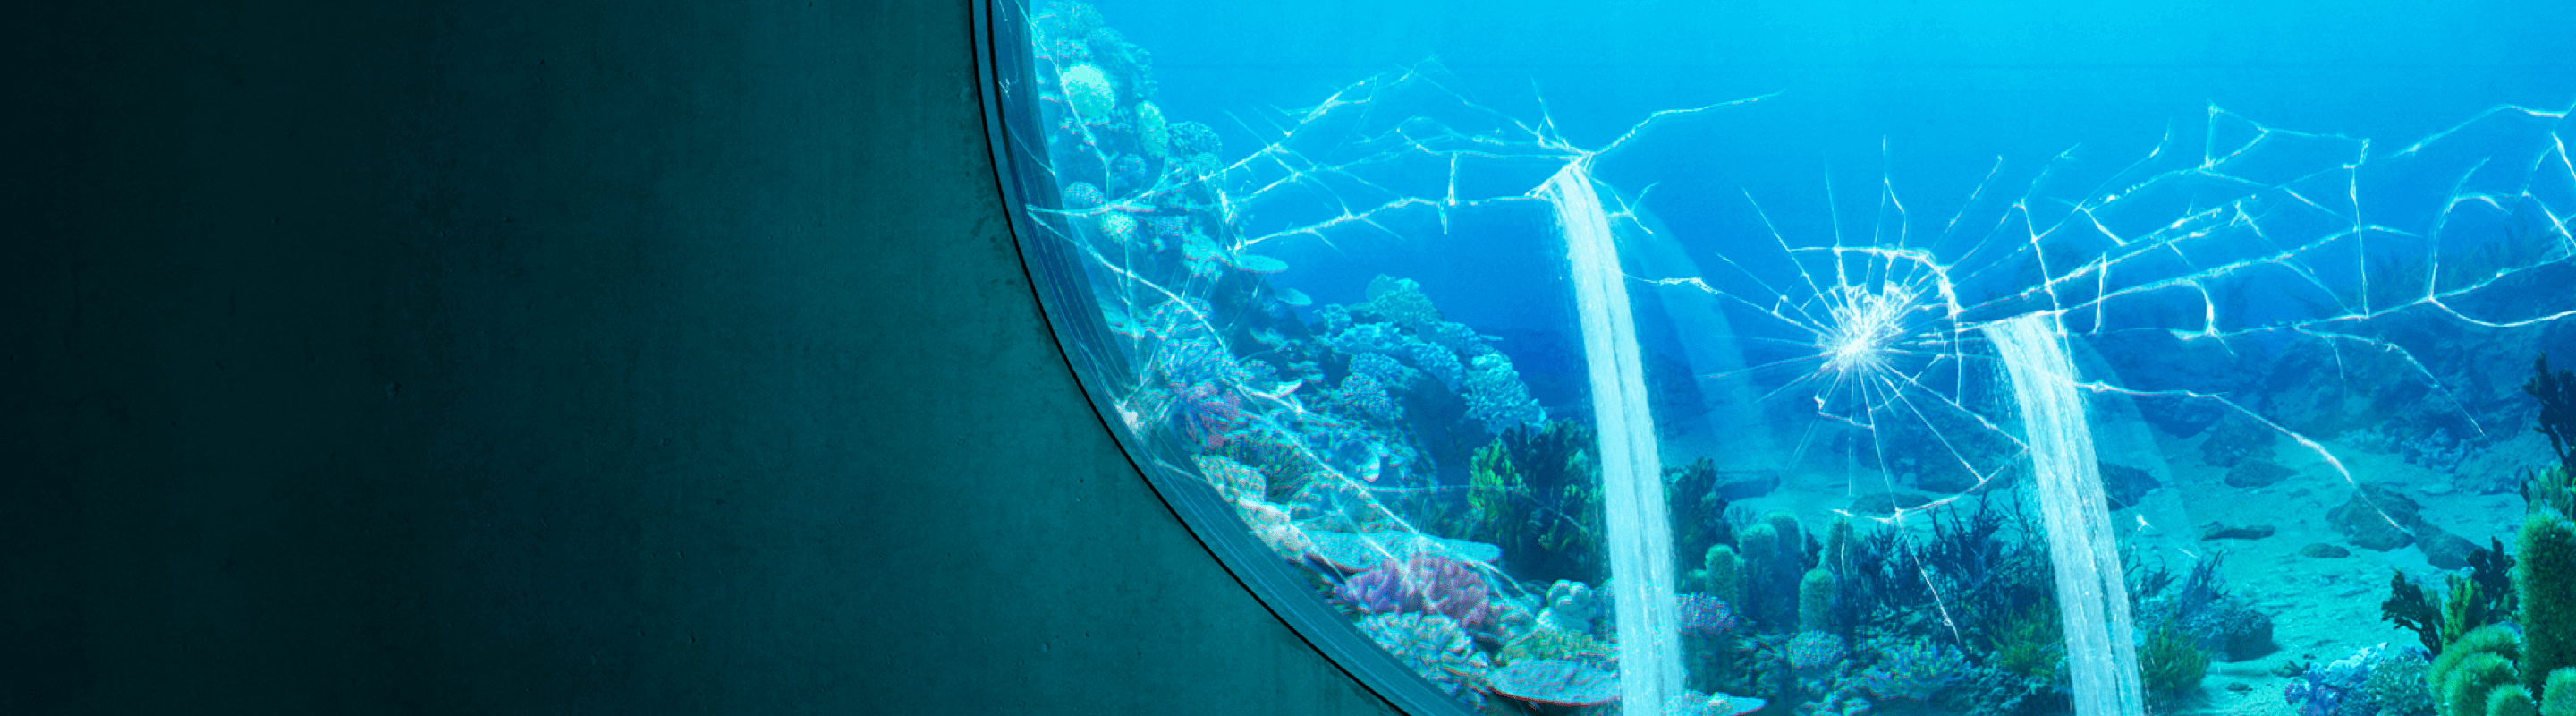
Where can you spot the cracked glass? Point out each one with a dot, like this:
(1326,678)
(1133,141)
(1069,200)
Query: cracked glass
(1773,401)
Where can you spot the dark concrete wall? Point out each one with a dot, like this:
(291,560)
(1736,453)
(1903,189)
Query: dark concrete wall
(635,356)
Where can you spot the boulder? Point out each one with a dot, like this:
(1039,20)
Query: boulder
(1882,504)
(2321,550)
(2377,517)
(1740,485)
(2443,549)
(2257,472)
(2124,486)
(2216,531)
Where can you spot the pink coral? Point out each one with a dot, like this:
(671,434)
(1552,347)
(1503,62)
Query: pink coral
(1425,584)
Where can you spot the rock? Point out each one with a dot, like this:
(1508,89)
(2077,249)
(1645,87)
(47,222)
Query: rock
(2257,472)
(2436,489)
(2443,549)
(1740,485)
(2322,550)
(1881,504)
(2124,485)
(2233,633)
(2236,439)
(2216,531)
(2377,518)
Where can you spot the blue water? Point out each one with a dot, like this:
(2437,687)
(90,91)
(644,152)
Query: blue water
(1926,96)
(2299,258)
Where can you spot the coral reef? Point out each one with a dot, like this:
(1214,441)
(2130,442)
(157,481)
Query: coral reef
(1423,584)
(1704,615)
(2375,681)
(1435,647)
(1087,89)
(1497,398)
(1573,607)
(1545,642)
(1815,650)
(1151,131)
(1693,703)
(1913,669)
(1556,682)
(1399,301)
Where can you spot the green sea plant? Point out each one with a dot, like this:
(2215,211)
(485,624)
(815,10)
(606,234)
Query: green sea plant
(1816,601)
(1536,493)
(2172,663)
(2553,488)
(1698,508)
(2545,581)
(2485,596)
(2029,644)
(2496,671)
(1762,562)
(1723,572)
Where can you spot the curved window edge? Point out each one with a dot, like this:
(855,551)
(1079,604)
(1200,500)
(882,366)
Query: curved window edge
(1001,52)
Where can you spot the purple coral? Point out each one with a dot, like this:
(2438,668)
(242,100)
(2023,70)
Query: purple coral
(2336,689)
(1425,584)
(1704,615)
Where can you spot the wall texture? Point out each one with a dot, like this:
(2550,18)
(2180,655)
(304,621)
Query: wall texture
(636,356)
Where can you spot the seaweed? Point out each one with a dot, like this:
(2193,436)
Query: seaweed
(1698,510)
(1535,493)
(2171,665)
(2553,488)
(2409,607)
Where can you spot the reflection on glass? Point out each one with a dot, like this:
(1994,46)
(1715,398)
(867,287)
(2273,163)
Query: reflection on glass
(2105,432)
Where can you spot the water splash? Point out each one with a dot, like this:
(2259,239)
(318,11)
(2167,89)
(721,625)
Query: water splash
(1640,538)
(2092,592)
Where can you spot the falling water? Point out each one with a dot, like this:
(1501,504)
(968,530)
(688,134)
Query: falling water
(1639,539)
(2092,594)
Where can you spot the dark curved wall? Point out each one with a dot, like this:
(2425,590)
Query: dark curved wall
(631,356)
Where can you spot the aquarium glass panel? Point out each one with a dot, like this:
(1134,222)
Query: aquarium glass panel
(1836,358)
